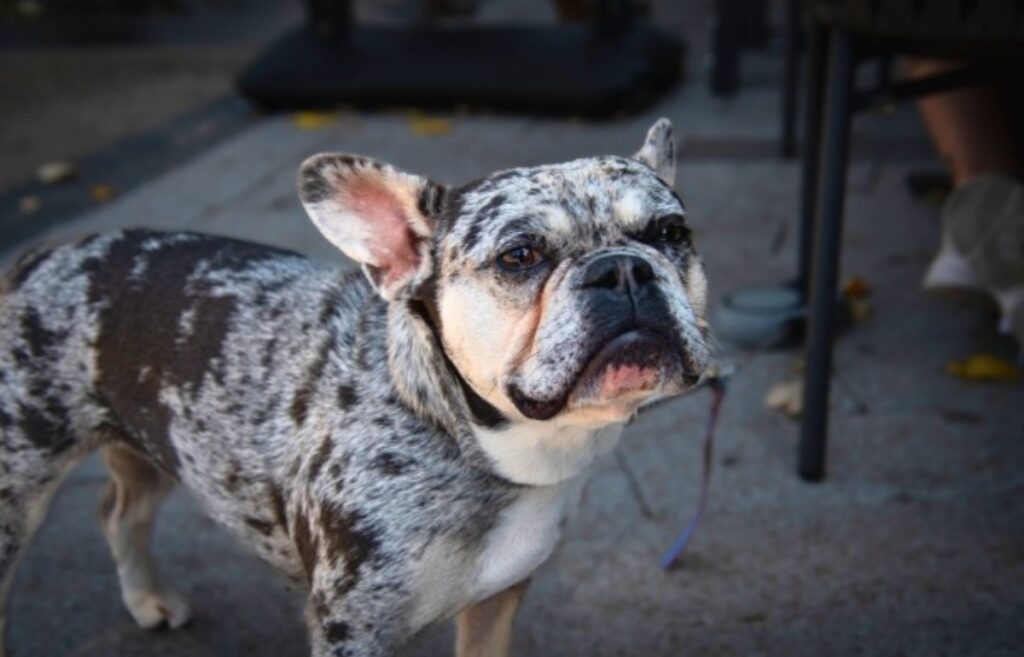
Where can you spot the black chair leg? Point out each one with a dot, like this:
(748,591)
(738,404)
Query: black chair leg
(790,83)
(827,241)
(814,93)
(726,47)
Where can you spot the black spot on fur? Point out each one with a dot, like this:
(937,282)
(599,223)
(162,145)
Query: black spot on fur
(347,537)
(320,458)
(39,338)
(139,349)
(331,302)
(383,421)
(300,405)
(277,507)
(27,264)
(306,545)
(267,359)
(300,402)
(262,526)
(347,396)
(204,345)
(320,606)
(390,464)
(336,632)
(47,426)
(486,214)
(313,187)
(430,199)
(233,478)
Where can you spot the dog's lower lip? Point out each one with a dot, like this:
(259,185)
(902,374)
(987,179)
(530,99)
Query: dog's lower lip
(539,409)
(616,346)
(536,409)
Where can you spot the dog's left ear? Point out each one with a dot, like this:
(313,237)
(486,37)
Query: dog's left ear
(659,151)
(377,215)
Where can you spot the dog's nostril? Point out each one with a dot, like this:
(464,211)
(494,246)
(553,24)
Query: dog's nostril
(609,279)
(603,272)
(618,272)
(642,271)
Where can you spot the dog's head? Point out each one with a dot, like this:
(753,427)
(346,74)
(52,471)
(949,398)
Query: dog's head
(568,291)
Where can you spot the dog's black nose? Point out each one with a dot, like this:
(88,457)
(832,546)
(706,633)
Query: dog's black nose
(618,272)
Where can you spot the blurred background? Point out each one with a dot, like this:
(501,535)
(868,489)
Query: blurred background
(851,169)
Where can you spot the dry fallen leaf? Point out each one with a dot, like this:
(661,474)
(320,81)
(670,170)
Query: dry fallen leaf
(855,287)
(30,204)
(429,126)
(312,120)
(102,193)
(787,397)
(55,172)
(983,367)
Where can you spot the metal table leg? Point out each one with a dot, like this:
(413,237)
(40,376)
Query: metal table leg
(814,92)
(790,84)
(827,242)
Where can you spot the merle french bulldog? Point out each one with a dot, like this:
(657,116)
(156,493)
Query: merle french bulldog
(405,444)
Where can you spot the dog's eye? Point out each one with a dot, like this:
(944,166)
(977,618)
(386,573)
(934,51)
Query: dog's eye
(519,258)
(670,230)
(672,233)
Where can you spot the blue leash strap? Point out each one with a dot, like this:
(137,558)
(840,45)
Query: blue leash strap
(717,386)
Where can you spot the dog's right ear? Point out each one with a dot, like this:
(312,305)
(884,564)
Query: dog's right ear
(659,151)
(377,215)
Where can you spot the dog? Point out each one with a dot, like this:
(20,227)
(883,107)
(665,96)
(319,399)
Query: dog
(405,443)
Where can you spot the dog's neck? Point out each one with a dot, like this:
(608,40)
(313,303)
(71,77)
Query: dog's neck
(429,384)
(482,412)
(524,452)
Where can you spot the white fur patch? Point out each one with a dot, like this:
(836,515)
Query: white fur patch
(631,208)
(543,453)
(526,536)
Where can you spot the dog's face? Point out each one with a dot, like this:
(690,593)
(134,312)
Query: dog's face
(568,291)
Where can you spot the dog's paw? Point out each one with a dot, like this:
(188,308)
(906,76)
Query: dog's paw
(151,609)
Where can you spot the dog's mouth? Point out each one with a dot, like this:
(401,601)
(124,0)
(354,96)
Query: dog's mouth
(634,363)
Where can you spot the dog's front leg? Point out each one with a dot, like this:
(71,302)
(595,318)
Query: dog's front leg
(351,622)
(485,629)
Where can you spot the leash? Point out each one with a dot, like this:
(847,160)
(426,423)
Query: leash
(716,382)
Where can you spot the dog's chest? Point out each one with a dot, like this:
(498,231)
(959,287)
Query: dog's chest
(525,536)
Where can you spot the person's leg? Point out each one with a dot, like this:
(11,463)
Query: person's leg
(970,127)
(983,219)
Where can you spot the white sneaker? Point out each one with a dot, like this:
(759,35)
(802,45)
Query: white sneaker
(982,246)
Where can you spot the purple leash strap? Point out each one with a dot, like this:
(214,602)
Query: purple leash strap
(717,386)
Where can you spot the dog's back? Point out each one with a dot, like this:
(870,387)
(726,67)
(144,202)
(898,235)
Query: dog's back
(96,335)
(126,338)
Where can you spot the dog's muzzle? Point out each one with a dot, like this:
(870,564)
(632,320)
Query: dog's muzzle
(631,337)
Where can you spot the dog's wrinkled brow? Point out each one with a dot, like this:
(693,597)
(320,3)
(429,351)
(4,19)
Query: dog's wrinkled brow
(520,228)
(577,204)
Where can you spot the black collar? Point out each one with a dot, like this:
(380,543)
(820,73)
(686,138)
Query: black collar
(484,413)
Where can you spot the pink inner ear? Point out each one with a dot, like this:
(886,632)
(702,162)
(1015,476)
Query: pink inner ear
(390,241)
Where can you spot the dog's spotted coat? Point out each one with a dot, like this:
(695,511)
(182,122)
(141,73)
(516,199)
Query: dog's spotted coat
(369,436)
